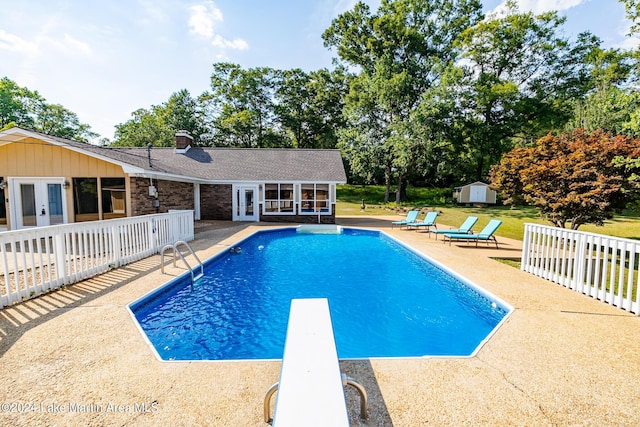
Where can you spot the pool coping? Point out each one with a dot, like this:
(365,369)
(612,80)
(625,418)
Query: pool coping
(562,358)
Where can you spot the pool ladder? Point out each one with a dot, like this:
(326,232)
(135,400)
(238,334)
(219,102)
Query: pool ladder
(176,250)
(346,380)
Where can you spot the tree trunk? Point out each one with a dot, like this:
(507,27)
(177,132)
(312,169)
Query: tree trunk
(479,168)
(403,190)
(399,190)
(387,182)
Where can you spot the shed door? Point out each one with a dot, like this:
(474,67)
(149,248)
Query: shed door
(477,194)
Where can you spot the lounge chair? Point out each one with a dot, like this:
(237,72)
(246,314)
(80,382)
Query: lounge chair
(465,228)
(486,234)
(428,221)
(411,217)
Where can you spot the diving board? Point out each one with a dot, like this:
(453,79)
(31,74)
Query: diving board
(310,391)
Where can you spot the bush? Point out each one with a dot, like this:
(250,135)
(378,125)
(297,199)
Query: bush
(374,194)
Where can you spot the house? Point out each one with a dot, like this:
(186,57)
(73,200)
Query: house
(46,180)
(475,193)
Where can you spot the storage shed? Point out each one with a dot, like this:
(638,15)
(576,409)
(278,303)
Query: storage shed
(475,193)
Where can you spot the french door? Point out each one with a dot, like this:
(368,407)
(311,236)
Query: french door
(245,207)
(37,202)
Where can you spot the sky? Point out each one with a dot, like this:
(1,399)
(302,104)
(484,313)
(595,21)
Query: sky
(105,59)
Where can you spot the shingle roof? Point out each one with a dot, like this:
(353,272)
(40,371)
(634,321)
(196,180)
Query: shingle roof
(225,164)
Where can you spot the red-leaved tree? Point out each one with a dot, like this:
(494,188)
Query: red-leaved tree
(574,178)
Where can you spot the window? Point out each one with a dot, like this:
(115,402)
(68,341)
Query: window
(85,199)
(113,197)
(3,209)
(89,207)
(314,198)
(278,198)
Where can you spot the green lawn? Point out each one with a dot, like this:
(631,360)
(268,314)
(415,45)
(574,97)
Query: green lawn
(350,203)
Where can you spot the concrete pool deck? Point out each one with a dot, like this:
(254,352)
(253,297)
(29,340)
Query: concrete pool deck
(75,356)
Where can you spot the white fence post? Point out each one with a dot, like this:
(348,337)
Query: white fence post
(36,260)
(603,267)
(526,251)
(151,234)
(60,259)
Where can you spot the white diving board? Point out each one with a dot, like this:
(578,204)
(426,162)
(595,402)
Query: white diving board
(310,391)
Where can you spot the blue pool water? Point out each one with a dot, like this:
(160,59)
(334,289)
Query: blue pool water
(385,300)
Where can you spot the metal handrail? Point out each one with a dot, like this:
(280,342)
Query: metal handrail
(182,242)
(175,249)
(162,256)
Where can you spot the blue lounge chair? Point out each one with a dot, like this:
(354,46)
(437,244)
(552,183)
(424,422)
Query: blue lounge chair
(411,217)
(486,234)
(428,221)
(465,228)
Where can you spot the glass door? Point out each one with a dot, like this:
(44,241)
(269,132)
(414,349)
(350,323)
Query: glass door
(28,217)
(244,203)
(56,212)
(38,203)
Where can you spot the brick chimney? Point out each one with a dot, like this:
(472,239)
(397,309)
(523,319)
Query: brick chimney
(183,141)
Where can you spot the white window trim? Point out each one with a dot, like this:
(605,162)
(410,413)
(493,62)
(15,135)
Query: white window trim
(265,200)
(315,189)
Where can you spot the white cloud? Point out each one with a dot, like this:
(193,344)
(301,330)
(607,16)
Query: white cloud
(627,42)
(219,41)
(43,43)
(15,43)
(342,6)
(74,45)
(202,21)
(540,6)
(203,18)
(154,12)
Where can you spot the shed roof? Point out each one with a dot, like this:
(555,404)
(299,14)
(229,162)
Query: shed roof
(476,183)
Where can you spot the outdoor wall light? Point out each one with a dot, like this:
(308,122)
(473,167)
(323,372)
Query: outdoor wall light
(66,185)
(3,184)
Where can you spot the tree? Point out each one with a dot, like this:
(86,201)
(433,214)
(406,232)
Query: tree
(398,51)
(241,107)
(15,104)
(159,124)
(58,121)
(632,7)
(22,107)
(611,103)
(573,178)
(309,106)
(183,112)
(145,127)
(516,78)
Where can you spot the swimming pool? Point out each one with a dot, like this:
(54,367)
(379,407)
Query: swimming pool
(385,300)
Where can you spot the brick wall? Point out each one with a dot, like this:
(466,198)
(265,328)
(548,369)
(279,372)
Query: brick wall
(175,195)
(216,202)
(171,195)
(141,203)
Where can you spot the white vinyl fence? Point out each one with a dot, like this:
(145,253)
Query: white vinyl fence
(36,260)
(603,267)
